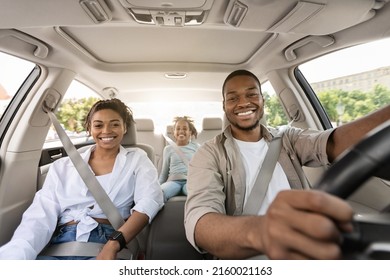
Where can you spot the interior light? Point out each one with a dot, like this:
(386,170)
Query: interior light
(175,75)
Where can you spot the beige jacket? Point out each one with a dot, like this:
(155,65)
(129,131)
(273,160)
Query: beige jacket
(216,174)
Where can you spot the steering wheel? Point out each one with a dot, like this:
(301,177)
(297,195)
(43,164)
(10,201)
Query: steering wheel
(370,157)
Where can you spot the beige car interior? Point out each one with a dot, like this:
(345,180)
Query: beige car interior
(147,134)
(211,126)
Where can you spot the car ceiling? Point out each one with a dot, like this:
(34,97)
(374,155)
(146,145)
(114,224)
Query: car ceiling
(116,55)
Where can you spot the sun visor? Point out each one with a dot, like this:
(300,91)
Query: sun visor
(300,17)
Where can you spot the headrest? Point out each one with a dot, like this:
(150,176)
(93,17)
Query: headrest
(170,132)
(144,124)
(130,138)
(212,123)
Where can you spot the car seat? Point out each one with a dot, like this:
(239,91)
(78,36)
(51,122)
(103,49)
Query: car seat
(167,239)
(146,134)
(211,126)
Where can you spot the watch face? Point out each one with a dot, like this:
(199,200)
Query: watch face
(115,235)
(118,236)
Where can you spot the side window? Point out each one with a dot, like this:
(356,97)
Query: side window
(352,82)
(13,72)
(274,113)
(72,113)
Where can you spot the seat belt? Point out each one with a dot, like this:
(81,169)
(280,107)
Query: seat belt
(260,187)
(85,249)
(256,197)
(177,149)
(101,197)
(89,179)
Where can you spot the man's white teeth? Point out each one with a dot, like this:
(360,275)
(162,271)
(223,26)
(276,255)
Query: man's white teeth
(245,113)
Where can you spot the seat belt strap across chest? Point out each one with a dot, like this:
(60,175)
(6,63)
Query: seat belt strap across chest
(260,187)
(86,174)
(177,150)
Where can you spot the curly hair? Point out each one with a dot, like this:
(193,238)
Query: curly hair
(190,122)
(114,104)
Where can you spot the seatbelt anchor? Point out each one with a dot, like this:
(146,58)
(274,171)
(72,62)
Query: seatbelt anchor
(49,103)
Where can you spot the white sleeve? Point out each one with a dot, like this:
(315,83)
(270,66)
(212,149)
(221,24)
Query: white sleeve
(148,196)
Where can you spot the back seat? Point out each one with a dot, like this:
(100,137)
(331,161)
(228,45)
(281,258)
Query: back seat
(146,134)
(169,132)
(211,126)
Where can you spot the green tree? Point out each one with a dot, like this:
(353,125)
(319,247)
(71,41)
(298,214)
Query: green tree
(380,96)
(355,103)
(274,112)
(72,113)
(329,100)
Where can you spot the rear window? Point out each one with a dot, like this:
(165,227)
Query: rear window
(163,113)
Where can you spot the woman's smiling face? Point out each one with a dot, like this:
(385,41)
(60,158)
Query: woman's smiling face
(107,129)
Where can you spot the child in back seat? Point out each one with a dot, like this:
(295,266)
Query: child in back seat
(173,177)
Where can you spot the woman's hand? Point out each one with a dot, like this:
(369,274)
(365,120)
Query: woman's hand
(109,251)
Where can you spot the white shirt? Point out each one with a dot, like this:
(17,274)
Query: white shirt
(132,186)
(253,154)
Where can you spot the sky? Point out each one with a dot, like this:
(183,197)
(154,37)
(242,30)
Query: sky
(15,72)
(377,55)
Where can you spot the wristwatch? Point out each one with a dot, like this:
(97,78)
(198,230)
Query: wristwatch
(118,236)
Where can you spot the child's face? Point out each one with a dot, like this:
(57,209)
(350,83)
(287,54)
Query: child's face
(182,133)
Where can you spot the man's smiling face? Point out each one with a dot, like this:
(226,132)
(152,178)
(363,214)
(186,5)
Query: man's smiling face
(243,102)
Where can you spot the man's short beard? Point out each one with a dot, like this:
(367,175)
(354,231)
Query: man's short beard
(249,128)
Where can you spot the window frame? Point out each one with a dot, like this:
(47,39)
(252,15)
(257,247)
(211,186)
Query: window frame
(17,101)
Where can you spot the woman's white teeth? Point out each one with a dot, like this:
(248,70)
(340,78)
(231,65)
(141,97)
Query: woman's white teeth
(245,113)
(107,138)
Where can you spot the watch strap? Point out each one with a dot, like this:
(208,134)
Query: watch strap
(118,236)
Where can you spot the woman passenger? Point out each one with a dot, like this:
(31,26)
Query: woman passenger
(64,210)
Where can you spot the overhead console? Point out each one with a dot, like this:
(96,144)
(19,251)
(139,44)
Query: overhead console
(168,13)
